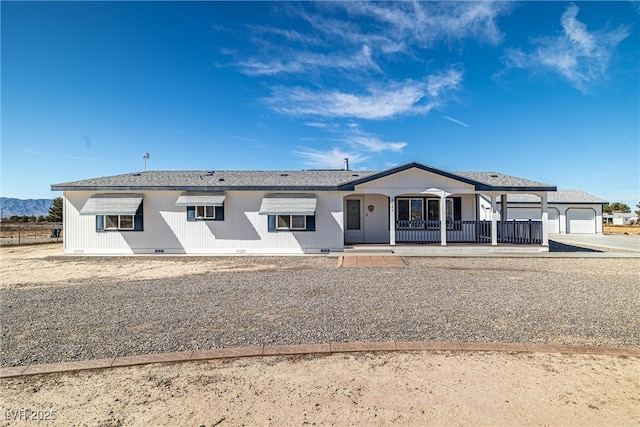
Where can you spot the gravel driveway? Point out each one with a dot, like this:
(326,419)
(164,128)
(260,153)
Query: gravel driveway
(535,300)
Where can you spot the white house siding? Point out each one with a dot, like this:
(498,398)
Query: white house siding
(166,228)
(468,206)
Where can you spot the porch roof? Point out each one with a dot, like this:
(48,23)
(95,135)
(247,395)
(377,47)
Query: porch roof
(482,181)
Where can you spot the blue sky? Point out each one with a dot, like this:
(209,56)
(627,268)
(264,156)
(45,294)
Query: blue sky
(543,90)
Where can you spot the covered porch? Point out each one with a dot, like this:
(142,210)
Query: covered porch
(419,205)
(437,219)
(442,220)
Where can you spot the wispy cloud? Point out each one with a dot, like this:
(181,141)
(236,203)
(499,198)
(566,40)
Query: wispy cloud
(303,62)
(359,36)
(580,56)
(368,142)
(456,121)
(376,145)
(381,101)
(361,145)
(427,23)
(316,124)
(335,65)
(330,159)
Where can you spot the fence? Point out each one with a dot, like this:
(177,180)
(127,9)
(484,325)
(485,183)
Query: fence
(28,233)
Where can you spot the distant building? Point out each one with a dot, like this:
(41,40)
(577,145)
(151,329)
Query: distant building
(619,218)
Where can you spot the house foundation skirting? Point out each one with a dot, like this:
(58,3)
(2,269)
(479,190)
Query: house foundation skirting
(451,248)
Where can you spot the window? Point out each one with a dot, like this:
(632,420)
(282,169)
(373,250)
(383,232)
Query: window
(205,212)
(285,223)
(410,209)
(449,213)
(433,207)
(449,210)
(121,222)
(291,222)
(453,211)
(118,222)
(425,209)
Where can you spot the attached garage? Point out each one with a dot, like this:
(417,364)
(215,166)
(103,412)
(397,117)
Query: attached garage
(581,221)
(569,211)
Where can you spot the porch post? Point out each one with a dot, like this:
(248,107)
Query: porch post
(545,219)
(443,220)
(494,221)
(503,207)
(392,221)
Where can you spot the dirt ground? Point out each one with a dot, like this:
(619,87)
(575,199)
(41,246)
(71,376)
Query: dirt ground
(621,229)
(24,266)
(419,388)
(342,389)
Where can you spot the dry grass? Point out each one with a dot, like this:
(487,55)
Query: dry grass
(621,229)
(12,234)
(39,230)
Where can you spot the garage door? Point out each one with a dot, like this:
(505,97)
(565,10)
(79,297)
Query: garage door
(581,221)
(536,214)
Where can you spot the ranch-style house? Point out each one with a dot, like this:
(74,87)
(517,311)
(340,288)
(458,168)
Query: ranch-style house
(308,211)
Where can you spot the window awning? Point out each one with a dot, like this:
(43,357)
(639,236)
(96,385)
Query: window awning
(288,204)
(201,199)
(112,204)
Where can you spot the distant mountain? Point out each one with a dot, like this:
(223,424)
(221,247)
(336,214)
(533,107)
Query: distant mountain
(29,207)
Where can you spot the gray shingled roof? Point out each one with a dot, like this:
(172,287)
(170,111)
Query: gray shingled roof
(218,179)
(274,180)
(560,196)
(497,179)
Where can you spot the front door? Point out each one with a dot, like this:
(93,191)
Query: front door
(354,224)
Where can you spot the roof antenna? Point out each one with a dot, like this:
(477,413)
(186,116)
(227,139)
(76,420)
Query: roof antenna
(146,157)
(346,163)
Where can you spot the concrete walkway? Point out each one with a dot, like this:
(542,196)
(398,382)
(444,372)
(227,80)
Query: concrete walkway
(605,241)
(326,348)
